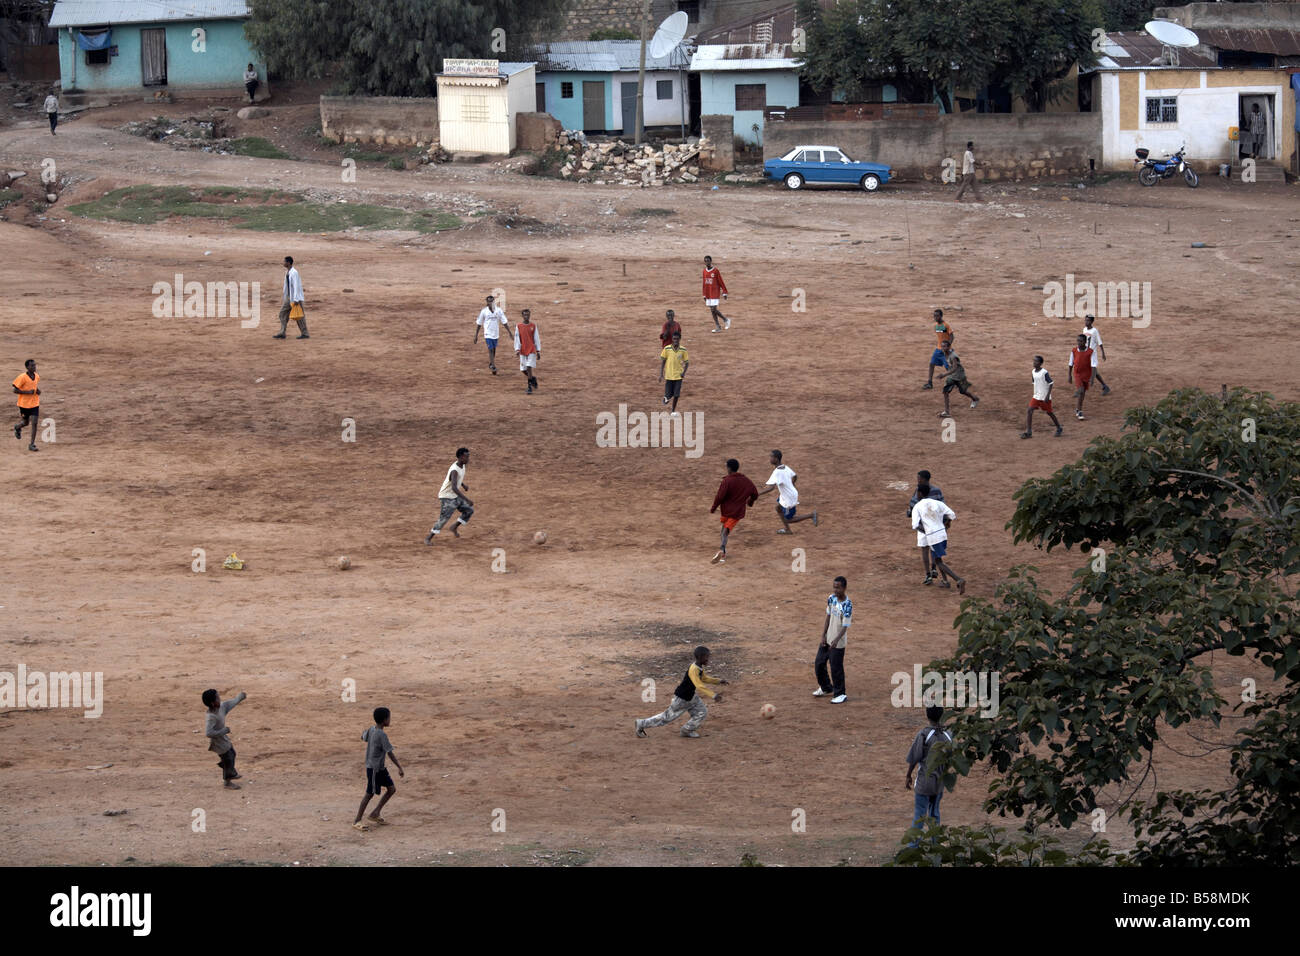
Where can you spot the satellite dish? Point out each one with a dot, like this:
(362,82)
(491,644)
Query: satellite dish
(1171,34)
(669,34)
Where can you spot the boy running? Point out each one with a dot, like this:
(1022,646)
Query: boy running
(931,518)
(219,734)
(490,320)
(782,481)
(377,775)
(27,388)
(528,346)
(1094,343)
(956,378)
(944,334)
(1042,398)
(1082,362)
(673,363)
(735,492)
(686,698)
(713,287)
(452,497)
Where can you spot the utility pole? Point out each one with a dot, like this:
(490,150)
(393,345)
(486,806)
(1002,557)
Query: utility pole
(640,86)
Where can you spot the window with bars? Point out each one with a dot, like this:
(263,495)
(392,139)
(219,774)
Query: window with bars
(474,109)
(751,96)
(1162,109)
(566,91)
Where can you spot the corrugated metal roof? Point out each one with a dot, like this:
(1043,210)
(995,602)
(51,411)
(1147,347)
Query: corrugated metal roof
(86,13)
(1277,41)
(603,56)
(1134,51)
(510,69)
(719,57)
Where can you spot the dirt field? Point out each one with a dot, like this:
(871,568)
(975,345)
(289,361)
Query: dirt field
(516,691)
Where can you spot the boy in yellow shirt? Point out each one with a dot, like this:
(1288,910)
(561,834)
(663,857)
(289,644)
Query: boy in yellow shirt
(673,363)
(686,699)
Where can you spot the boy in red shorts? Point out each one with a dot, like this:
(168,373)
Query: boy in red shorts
(734,494)
(1042,398)
(1083,361)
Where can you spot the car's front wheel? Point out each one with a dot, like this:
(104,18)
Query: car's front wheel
(793,181)
(870,182)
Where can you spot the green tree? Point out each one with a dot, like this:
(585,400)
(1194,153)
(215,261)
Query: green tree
(926,47)
(393,48)
(1196,508)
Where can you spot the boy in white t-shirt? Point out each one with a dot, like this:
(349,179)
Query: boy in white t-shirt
(787,499)
(931,518)
(490,320)
(1042,399)
(1094,343)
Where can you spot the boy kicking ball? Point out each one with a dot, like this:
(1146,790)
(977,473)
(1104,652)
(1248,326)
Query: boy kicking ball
(377,775)
(956,378)
(686,698)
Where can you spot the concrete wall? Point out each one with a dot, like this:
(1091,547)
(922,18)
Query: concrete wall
(718,96)
(521,97)
(1007,145)
(718,130)
(391,120)
(1208,104)
(569,111)
(221,65)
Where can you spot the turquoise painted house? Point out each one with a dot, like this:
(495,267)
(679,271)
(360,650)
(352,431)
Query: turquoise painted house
(592,85)
(142,46)
(747,67)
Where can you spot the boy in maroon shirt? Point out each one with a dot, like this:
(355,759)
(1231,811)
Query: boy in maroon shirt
(1082,361)
(735,492)
(714,287)
(670,326)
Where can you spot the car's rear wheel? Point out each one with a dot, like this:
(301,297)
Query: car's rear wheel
(793,181)
(870,182)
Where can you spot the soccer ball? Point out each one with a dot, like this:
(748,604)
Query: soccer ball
(344,562)
(768,711)
(539,538)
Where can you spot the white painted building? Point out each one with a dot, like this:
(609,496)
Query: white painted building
(478,101)
(1147,101)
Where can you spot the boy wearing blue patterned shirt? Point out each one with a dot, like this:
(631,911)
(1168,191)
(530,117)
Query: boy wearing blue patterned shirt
(839,615)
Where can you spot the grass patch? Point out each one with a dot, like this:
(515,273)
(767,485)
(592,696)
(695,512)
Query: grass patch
(397,162)
(264,210)
(654,212)
(9,195)
(258,146)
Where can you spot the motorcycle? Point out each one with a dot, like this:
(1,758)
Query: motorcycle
(1151,171)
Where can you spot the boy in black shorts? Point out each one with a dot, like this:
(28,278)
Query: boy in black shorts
(956,378)
(377,775)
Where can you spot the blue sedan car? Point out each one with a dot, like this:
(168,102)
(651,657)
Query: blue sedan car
(805,165)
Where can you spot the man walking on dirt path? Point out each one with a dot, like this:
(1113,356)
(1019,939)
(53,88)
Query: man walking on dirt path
(291,302)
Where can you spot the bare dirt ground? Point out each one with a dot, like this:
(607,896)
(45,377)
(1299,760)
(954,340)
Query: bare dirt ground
(516,691)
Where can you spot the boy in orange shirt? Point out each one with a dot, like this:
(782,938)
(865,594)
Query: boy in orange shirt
(27,388)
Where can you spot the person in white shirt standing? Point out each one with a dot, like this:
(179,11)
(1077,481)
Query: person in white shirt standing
(1094,343)
(292,297)
(835,632)
(931,518)
(452,498)
(1042,398)
(490,320)
(968,173)
(782,481)
(52,111)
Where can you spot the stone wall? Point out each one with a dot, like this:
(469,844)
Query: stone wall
(388,120)
(587,15)
(721,157)
(1007,145)
(535,132)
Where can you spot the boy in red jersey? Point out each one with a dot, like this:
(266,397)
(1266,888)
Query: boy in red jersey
(1082,361)
(734,494)
(713,287)
(528,346)
(671,325)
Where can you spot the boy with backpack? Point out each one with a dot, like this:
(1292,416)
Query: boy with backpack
(929,783)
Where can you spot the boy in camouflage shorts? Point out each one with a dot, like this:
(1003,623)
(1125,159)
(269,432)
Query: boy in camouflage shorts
(686,699)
